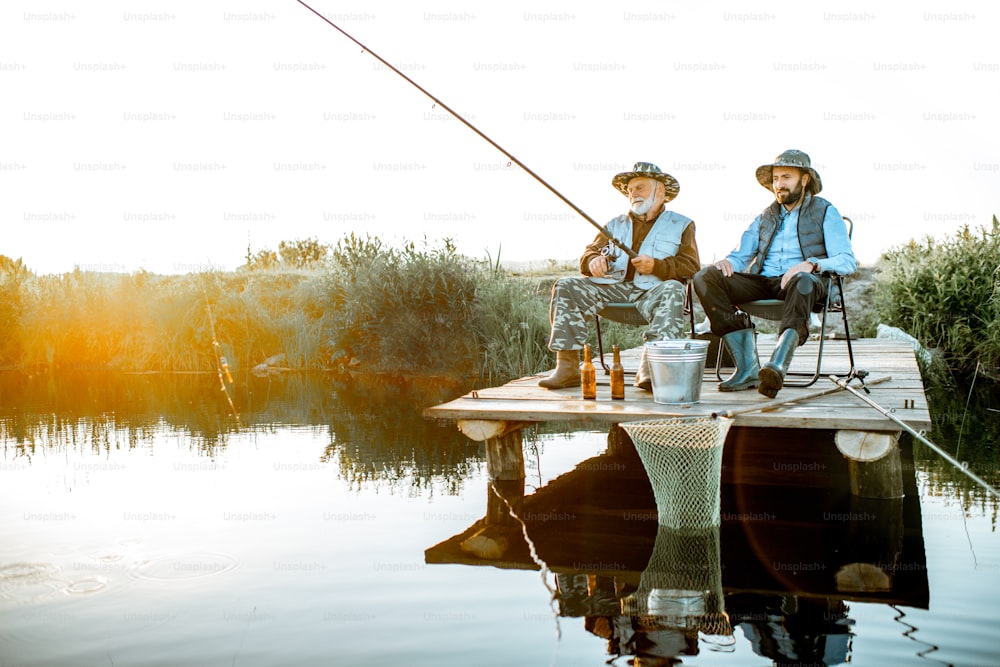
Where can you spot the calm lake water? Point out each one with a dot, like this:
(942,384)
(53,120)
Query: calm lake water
(142,522)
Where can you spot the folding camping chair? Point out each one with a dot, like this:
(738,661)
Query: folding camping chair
(626,313)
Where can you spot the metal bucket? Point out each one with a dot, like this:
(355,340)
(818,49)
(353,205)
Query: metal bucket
(676,367)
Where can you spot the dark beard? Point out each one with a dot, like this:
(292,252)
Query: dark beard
(791,197)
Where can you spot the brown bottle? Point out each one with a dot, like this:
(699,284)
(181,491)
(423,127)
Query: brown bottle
(617,377)
(588,375)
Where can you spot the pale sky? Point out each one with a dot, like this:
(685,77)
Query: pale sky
(168,136)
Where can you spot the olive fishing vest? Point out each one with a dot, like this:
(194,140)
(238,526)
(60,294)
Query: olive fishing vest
(663,240)
(810,230)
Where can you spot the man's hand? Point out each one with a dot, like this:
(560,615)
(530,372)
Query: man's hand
(643,264)
(598,266)
(801,267)
(725,266)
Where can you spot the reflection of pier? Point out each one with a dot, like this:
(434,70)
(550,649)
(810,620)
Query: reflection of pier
(787,556)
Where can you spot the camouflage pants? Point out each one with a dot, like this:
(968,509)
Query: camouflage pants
(576,300)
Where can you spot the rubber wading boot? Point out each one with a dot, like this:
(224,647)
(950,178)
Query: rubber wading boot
(743,349)
(643,380)
(772,375)
(567,372)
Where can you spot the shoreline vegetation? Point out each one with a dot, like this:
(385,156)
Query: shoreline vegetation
(359,305)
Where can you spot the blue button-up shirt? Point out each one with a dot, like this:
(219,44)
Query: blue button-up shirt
(785,251)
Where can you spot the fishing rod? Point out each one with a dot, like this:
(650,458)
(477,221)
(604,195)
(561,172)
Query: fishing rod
(601,228)
(781,402)
(945,455)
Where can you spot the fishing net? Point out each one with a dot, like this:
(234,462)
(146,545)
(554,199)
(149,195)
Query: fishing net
(681,587)
(683,459)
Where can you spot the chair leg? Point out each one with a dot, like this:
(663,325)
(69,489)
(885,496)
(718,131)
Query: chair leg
(600,345)
(847,335)
(718,361)
(810,379)
(689,305)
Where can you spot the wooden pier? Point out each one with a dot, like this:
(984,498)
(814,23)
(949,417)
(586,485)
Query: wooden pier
(865,437)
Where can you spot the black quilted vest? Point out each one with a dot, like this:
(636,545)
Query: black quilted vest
(810,230)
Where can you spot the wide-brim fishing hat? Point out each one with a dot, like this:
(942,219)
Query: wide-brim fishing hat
(647,170)
(790,158)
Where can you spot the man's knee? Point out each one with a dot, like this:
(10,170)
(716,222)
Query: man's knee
(704,279)
(568,285)
(672,287)
(806,283)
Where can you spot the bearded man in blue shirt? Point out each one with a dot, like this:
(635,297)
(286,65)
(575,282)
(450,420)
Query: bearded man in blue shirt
(780,256)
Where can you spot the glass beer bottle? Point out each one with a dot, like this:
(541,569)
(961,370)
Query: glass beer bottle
(617,377)
(588,375)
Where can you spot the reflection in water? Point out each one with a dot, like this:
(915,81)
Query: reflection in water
(780,568)
(678,598)
(376,432)
(968,428)
(789,574)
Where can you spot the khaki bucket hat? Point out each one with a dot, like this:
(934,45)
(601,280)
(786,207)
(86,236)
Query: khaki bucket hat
(647,170)
(790,158)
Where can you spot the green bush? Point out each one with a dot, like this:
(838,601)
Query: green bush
(947,295)
(403,310)
(512,326)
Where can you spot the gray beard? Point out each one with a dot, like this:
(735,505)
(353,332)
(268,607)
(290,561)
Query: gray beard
(642,208)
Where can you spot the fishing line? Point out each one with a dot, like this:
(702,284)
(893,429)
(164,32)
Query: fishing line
(888,413)
(545,571)
(911,630)
(624,246)
(221,365)
(958,448)
(965,413)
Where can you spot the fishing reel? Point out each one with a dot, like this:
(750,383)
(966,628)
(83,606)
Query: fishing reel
(611,252)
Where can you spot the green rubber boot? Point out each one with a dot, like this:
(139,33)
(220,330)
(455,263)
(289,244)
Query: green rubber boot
(743,349)
(772,375)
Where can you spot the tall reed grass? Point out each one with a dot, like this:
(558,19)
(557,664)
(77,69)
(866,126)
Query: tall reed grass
(358,305)
(147,322)
(417,309)
(947,295)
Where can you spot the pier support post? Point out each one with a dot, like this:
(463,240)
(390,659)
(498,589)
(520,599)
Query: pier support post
(874,546)
(505,468)
(873,463)
(504,456)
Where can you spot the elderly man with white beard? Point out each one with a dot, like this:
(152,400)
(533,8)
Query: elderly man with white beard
(664,242)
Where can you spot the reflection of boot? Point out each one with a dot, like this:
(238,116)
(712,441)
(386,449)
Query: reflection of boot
(643,380)
(744,352)
(772,375)
(567,372)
